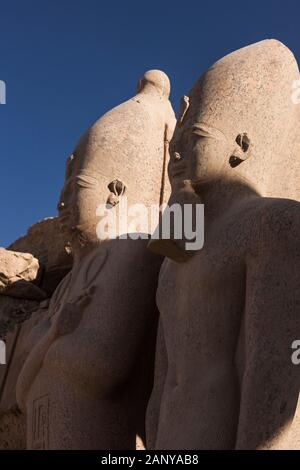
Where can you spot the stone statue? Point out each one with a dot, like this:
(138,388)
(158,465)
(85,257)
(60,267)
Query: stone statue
(23,316)
(86,383)
(229,313)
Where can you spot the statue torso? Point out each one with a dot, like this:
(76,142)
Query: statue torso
(201,303)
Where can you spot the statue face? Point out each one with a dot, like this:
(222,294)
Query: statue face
(82,194)
(125,147)
(239,119)
(66,201)
(199,153)
(209,153)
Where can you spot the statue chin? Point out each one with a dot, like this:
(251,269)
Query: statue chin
(173,249)
(78,233)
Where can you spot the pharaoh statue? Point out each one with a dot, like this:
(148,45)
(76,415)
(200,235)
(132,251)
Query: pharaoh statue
(229,312)
(86,383)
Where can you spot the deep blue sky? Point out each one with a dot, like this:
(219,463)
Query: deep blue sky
(66,62)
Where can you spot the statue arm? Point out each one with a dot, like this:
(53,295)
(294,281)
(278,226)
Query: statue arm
(270,385)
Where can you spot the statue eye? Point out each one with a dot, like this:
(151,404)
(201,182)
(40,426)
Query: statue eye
(197,134)
(200,133)
(117,187)
(243,141)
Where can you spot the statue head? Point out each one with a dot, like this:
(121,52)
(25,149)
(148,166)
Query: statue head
(121,155)
(239,122)
(239,117)
(154,81)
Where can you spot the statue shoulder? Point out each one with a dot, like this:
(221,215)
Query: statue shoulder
(278,225)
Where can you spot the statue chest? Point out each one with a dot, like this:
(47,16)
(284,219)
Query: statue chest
(202,301)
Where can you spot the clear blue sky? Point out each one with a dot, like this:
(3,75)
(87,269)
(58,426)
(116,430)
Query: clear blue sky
(66,62)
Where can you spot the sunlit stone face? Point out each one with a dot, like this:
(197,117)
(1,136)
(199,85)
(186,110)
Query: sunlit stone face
(122,154)
(199,153)
(83,192)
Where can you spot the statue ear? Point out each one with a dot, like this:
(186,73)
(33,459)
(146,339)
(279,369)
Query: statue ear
(242,151)
(117,188)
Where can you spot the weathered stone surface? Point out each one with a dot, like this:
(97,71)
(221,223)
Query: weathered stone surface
(22,322)
(22,315)
(12,430)
(19,342)
(229,314)
(95,362)
(15,267)
(125,153)
(14,311)
(49,245)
